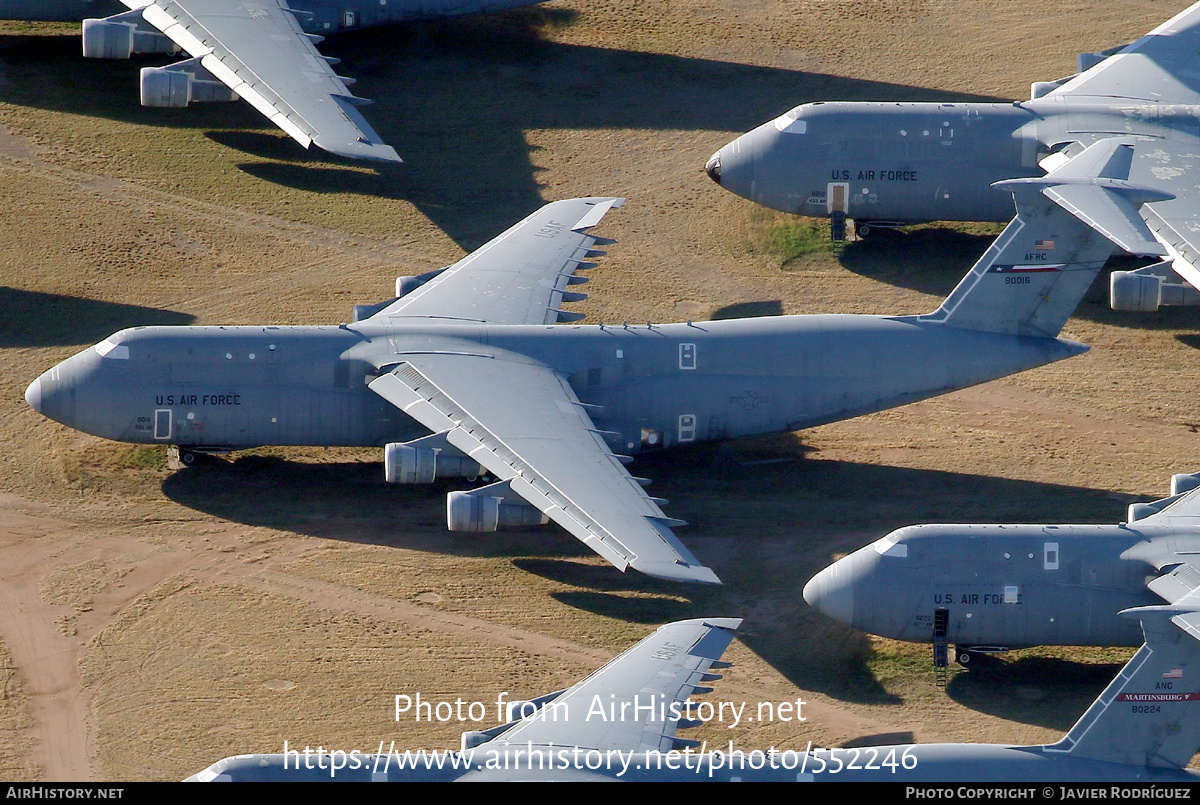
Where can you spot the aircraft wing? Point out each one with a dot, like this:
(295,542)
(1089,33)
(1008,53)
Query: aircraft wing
(659,674)
(518,277)
(1173,167)
(522,422)
(1180,583)
(259,50)
(1163,66)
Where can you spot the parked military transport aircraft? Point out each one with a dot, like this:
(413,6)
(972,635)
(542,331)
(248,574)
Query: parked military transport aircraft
(463,374)
(260,50)
(888,164)
(620,723)
(987,588)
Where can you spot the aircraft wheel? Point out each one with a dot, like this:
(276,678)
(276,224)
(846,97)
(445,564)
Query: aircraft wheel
(963,657)
(180,458)
(863,231)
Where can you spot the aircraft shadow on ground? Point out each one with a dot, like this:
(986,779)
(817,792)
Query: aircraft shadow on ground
(932,260)
(762,514)
(35,319)
(1045,691)
(456,99)
(746,310)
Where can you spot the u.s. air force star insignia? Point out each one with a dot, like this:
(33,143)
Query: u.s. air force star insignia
(750,400)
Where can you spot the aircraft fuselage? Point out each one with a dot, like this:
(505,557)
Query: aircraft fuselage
(910,162)
(908,763)
(1004,586)
(661,385)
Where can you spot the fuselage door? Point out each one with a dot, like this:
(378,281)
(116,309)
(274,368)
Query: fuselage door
(162,424)
(837,197)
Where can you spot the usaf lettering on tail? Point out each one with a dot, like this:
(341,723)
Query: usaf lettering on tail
(987,588)
(1135,731)
(888,164)
(464,373)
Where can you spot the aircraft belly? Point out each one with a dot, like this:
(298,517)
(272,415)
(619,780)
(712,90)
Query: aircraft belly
(1068,617)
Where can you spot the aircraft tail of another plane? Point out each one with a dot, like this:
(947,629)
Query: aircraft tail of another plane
(1150,714)
(1031,279)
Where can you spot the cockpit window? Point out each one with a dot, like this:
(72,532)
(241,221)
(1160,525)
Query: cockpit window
(789,123)
(109,348)
(888,546)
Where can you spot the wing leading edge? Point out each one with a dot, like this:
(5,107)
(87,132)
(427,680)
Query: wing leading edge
(258,49)
(518,277)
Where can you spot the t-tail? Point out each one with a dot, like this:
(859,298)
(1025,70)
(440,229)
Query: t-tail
(1150,714)
(1068,222)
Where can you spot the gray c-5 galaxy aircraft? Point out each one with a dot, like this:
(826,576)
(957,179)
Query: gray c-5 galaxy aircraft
(990,588)
(263,51)
(620,724)
(889,164)
(464,373)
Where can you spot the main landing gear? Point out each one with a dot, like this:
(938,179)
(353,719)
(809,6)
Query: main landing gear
(181,458)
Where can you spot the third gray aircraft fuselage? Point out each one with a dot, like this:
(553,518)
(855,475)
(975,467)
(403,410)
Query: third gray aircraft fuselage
(1004,586)
(908,162)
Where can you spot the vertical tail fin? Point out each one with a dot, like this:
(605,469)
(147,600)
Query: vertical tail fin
(1150,714)
(1035,274)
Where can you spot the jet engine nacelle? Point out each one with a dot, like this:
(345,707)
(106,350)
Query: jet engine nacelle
(1140,293)
(1039,89)
(474,738)
(419,463)
(406,285)
(180,84)
(121,36)
(1138,511)
(1184,483)
(360,312)
(481,511)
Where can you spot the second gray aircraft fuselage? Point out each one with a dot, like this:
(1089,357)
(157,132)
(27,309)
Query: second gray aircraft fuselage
(908,162)
(650,386)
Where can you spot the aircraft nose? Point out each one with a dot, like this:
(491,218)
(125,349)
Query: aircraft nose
(713,167)
(832,591)
(53,394)
(33,395)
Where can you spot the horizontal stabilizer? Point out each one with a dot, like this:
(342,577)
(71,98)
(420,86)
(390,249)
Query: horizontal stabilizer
(1094,188)
(1110,213)
(1034,275)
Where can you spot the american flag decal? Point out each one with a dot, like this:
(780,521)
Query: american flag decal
(1174,673)
(1043,245)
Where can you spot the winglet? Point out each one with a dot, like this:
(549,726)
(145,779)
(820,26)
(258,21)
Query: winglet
(593,216)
